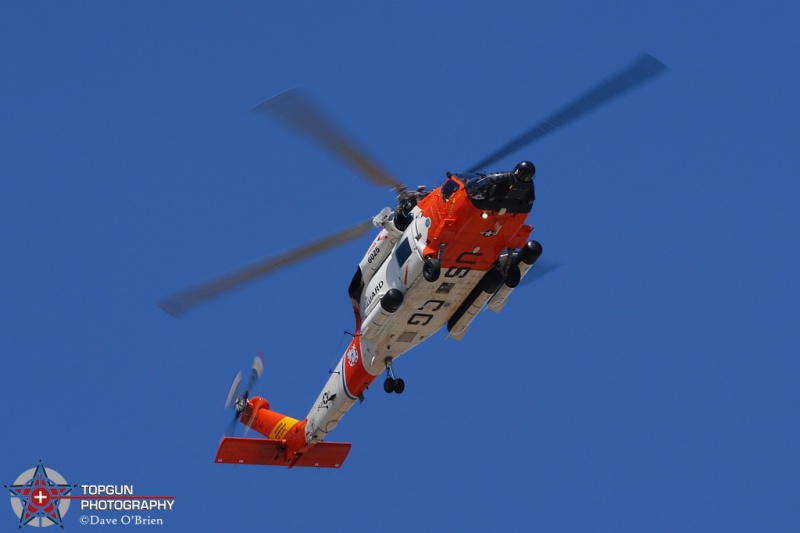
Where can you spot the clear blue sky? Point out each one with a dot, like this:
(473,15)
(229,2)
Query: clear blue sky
(648,384)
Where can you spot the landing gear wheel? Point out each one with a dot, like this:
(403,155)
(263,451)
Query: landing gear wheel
(392,383)
(431,269)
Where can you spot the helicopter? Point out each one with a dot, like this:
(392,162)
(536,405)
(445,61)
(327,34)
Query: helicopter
(440,257)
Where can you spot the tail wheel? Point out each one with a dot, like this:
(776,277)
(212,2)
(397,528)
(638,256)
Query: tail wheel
(431,269)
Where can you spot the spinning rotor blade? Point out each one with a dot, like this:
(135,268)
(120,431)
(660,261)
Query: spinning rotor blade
(234,390)
(255,373)
(299,112)
(642,70)
(180,303)
(250,420)
(238,397)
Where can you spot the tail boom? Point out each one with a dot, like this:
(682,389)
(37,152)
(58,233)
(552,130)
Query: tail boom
(285,444)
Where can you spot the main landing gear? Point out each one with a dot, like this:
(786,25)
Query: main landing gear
(392,383)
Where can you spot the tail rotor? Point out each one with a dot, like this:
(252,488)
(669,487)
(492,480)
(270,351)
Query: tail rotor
(238,396)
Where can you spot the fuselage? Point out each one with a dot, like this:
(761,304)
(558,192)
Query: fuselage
(465,226)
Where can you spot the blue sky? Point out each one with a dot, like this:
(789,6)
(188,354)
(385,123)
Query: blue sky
(650,383)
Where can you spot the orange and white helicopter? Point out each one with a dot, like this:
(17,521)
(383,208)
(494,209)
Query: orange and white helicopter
(439,258)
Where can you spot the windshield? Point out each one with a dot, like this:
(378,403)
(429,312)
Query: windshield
(477,185)
(497,191)
(449,187)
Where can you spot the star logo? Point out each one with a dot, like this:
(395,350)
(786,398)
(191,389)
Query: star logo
(492,232)
(36,496)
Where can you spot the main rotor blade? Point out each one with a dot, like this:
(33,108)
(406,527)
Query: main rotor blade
(642,70)
(178,304)
(298,111)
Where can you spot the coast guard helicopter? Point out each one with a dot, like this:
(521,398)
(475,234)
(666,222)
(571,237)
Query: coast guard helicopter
(440,256)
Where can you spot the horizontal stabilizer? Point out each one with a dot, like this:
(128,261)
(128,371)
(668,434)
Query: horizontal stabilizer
(235,450)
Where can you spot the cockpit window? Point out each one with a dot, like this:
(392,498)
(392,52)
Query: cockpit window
(449,188)
(403,252)
(478,186)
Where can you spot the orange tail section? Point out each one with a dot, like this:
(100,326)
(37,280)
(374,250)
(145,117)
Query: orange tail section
(274,452)
(285,444)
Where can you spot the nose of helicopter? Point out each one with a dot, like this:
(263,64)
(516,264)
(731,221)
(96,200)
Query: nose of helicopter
(512,191)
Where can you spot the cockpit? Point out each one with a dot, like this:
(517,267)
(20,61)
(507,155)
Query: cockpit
(512,191)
